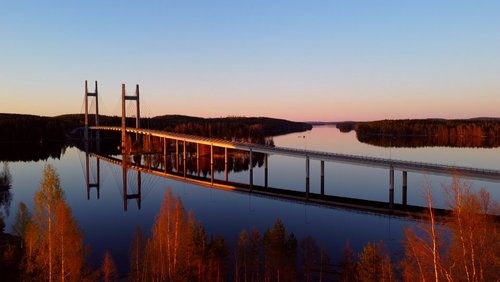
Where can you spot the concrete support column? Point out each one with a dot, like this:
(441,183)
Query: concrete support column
(123,119)
(391,187)
(405,187)
(139,188)
(87,175)
(212,164)
(251,169)
(198,159)
(138,114)
(150,144)
(226,172)
(86,129)
(165,154)
(97,135)
(184,157)
(98,184)
(124,179)
(307,177)
(322,180)
(266,171)
(177,156)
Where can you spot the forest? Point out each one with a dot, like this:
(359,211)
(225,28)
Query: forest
(39,129)
(463,247)
(483,133)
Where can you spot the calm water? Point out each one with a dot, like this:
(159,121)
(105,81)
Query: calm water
(107,226)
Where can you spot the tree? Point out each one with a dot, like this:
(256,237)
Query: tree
(166,256)
(280,252)
(199,250)
(108,268)
(5,176)
(472,251)
(137,255)
(310,254)
(68,247)
(348,264)
(217,259)
(23,218)
(241,265)
(254,264)
(54,243)
(475,247)
(374,263)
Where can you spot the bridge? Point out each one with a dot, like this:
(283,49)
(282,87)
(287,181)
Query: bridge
(164,137)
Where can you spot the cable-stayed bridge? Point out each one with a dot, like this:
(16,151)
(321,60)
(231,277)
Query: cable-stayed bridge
(193,146)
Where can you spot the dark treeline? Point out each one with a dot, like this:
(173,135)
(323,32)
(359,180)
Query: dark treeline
(465,247)
(247,129)
(14,127)
(30,128)
(484,133)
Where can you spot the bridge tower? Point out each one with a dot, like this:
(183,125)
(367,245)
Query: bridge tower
(124,116)
(87,95)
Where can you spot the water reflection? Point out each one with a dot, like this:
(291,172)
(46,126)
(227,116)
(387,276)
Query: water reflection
(32,151)
(5,194)
(186,167)
(430,141)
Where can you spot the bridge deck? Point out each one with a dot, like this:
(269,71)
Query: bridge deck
(478,173)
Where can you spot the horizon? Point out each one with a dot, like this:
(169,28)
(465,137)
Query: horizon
(271,117)
(314,61)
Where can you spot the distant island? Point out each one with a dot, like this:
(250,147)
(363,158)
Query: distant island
(477,132)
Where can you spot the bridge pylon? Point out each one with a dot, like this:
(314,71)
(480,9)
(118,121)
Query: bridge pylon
(87,95)
(124,116)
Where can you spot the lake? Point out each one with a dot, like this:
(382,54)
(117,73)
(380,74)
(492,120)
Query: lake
(108,227)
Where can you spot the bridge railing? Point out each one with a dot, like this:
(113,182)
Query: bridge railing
(312,153)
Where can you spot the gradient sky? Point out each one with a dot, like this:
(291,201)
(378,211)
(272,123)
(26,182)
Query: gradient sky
(299,60)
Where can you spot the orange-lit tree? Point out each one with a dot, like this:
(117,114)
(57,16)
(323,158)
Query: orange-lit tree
(54,243)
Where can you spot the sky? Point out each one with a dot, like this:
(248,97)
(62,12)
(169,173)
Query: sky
(304,60)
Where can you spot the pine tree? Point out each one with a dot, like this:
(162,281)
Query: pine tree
(374,263)
(280,252)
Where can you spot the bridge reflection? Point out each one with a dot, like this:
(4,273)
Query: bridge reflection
(199,170)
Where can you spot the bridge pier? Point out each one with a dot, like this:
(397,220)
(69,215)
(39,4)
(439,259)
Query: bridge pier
(177,156)
(212,164)
(405,187)
(307,177)
(139,188)
(165,154)
(225,165)
(391,187)
(184,155)
(322,180)
(198,159)
(266,171)
(251,170)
